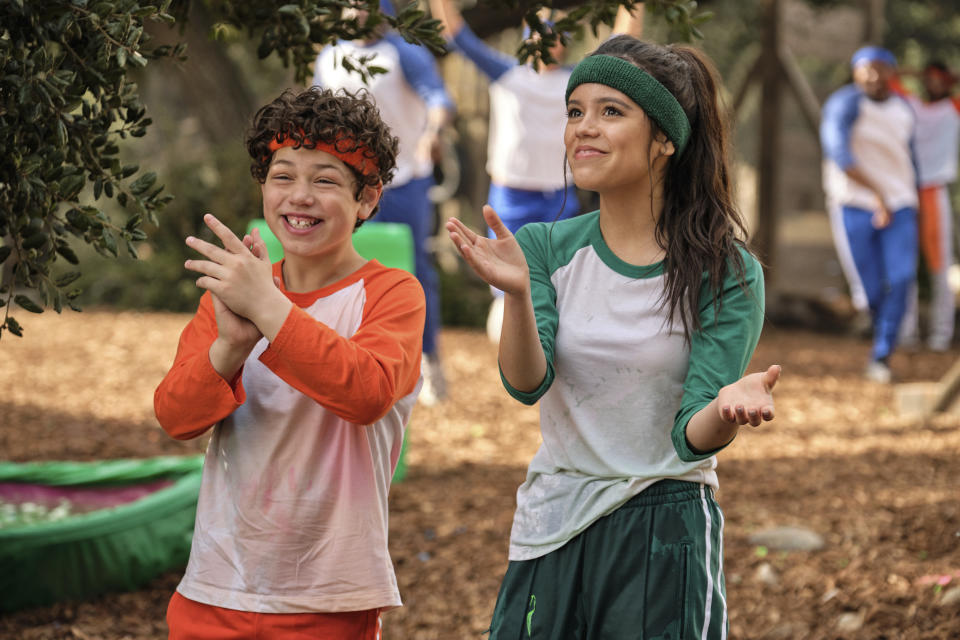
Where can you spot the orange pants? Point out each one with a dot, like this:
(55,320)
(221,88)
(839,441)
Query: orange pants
(190,620)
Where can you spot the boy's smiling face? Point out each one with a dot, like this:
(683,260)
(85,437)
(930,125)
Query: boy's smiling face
(309,203)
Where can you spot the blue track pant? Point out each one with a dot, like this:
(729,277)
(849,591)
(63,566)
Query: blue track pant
(886,261)
(410,205)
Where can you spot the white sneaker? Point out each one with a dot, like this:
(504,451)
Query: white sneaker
(434,387)
(878,372)
(938,344)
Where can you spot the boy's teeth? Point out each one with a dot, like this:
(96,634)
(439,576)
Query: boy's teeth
(301,223)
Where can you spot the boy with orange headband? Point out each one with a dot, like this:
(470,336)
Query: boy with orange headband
(307,371)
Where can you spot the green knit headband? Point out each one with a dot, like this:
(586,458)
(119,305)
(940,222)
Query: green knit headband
(656,101)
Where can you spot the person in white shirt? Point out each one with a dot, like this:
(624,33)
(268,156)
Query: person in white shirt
(414,103)
(867,137)
(937,146)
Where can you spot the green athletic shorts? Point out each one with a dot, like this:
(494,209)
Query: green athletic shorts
(652,569)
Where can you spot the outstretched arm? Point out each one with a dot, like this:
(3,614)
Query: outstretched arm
(749,400)
(500,262)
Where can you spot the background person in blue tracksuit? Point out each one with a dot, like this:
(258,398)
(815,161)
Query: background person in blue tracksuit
(414,103)
(870,178)
(525,154)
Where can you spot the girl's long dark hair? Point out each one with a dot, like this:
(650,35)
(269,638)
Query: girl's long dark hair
(700,229)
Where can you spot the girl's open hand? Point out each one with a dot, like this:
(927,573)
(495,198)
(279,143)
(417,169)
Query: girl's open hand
(499,262)
(749,400)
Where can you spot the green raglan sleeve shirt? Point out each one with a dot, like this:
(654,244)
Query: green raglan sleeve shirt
(536,249)
(621,382)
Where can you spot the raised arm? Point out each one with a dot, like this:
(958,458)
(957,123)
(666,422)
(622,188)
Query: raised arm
(501,263)
(448,15)
(629,21)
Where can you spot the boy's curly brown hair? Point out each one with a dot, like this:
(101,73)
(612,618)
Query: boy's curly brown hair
(322,115)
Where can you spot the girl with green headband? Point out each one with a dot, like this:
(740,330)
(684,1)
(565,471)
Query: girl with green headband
(633,327)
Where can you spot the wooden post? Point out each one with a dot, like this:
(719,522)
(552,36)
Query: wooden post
(802,91)
(875,22)
(770,77)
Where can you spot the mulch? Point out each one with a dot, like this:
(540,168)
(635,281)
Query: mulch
(881,488)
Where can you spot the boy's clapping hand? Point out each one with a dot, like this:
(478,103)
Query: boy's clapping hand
(239,273)
(240,278)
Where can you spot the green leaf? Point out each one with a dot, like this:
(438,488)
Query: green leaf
(76,218)
(109,243)
(133,222)
(70,186)
(68,278)
(35,240)
(14,327)
(27,304)
(61,133)
(143,183)
(68,254)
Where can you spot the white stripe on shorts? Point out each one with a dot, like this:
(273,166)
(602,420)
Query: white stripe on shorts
(704,633)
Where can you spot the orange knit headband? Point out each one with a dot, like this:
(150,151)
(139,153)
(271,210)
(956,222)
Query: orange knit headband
(356,158)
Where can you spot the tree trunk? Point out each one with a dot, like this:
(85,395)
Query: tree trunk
(764,239)
(208,86)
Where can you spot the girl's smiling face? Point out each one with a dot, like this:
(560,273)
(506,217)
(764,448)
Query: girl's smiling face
(607,138)
(309,202)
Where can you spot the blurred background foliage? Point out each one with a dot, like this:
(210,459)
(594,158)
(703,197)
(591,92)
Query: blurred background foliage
(200,108)
(78,79)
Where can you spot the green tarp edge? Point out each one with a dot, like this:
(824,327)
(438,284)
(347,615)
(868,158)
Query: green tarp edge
(100,472)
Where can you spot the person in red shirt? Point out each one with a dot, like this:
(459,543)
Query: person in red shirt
(937,146)
(306,371)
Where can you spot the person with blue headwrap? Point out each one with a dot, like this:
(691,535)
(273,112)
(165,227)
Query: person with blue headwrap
(870,179)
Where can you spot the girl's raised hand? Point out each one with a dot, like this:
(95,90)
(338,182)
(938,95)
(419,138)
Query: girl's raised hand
(749,400)
(499,262)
